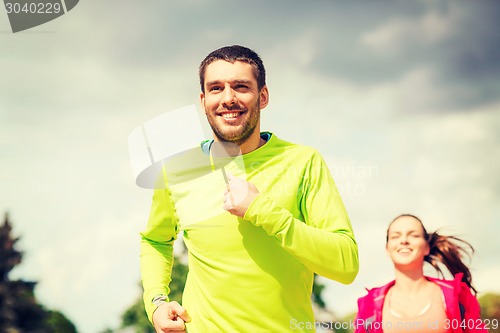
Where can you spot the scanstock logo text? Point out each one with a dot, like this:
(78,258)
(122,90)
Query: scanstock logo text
(26,14)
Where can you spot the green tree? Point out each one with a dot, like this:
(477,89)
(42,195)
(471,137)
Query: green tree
(490,311)
(317,293)
(19,309)
(135,316)
(57,322)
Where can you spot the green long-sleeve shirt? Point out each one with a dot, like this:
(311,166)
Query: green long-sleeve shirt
(251,274)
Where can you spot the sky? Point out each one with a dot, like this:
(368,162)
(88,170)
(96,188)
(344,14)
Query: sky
(402,99)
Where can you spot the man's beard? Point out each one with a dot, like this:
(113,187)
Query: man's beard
(242,135)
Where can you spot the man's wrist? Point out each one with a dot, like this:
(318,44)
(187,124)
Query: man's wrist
(159,300)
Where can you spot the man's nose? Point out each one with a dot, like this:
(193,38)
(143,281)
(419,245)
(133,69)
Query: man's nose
(228,97)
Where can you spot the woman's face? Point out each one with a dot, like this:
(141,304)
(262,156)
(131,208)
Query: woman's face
(406,244)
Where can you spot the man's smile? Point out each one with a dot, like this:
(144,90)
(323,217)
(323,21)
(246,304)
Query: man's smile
(231,114)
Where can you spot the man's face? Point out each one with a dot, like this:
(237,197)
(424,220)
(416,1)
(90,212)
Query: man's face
(232,101)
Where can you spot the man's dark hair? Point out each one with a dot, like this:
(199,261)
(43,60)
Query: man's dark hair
(231,54)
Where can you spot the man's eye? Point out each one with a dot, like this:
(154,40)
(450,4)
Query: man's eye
(215,88)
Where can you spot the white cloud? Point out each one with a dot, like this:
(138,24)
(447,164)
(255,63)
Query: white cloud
(398,33)
(300,49)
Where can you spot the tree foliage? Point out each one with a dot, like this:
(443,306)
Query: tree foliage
(317,291)
(135,316)
(19,310)
(490,310)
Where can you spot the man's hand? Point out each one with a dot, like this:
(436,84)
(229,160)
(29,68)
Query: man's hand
(239,195)
(170,317)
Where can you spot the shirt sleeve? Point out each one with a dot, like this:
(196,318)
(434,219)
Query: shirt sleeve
(156,250)
(324,242)
(471,322)
(366,315)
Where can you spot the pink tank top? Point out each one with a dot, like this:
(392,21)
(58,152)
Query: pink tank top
(431,319)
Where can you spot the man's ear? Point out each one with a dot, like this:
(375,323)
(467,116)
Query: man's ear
(264,97)
(202,101)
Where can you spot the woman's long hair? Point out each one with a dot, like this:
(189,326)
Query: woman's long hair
(447,250)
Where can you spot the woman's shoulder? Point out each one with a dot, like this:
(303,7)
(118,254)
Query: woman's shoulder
(455,284)
(372,301)
(377,292)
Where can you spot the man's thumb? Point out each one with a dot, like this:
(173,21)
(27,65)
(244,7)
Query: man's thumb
(181,312)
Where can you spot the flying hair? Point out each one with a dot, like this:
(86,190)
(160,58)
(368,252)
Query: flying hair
(446,250)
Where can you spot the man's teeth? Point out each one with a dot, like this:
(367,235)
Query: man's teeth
(230,115)
(405,251)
